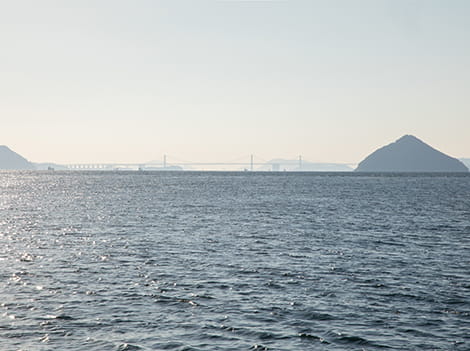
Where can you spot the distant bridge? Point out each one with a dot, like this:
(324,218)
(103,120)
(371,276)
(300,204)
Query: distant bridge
(165,165)
(174,165)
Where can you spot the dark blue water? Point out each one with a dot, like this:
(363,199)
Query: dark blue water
(227,261)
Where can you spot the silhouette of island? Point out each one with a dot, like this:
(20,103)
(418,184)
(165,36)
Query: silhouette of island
(409,154)
(12,161)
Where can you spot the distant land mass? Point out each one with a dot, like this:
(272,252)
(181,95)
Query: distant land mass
(12,161)
(409,154)
(279,164)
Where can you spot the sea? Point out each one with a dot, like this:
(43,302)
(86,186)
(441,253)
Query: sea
(234,261)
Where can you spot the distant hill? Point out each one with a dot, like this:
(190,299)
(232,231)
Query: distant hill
(11,160)
(279,164)
(409,154)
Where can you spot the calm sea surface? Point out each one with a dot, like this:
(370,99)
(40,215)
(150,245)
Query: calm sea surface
(234,261)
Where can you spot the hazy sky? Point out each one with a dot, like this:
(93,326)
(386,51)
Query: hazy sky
(129,81)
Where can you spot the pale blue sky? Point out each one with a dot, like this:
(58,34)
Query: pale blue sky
(129,81)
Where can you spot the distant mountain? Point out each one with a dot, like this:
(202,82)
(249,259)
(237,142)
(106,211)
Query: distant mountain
(11,160)
(279,164)
(409,154)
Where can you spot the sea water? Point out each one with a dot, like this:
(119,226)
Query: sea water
(234,261)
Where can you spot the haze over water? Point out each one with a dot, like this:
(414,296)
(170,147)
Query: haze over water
(129,81)
(234,261)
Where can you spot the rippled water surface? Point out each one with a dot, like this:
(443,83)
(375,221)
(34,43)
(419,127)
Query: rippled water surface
(234,261)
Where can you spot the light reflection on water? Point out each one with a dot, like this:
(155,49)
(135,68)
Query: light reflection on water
(227,261)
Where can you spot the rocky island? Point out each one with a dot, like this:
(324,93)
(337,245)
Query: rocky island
(409,154)
(11,160)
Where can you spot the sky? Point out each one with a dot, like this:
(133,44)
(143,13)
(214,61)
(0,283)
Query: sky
(129,81)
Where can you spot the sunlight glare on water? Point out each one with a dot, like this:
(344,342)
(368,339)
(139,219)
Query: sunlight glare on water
(234,261)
